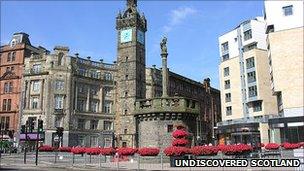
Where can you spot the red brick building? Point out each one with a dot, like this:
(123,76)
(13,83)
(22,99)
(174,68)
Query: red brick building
(11,71)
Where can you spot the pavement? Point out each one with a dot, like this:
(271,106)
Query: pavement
(64,162)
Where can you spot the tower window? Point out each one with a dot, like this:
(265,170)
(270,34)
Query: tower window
(127,58)
(226,71)
(227,84)
(250,63)
(127,76)
(126,112)
(253,91)
(125,131)
(257,106)
(126,94)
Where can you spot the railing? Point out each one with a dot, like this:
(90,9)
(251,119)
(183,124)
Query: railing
(168,104)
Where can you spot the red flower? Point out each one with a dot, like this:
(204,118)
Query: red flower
(46,148)
(287,145)
(180,142)
(93,151)
(148,151)
(65,149)
(126,151)
(272,146)
(235,149)
(204,150)
(176,151)
(179,134)
(78,150)
(107,151)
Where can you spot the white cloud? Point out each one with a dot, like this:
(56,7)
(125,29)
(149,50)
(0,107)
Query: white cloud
(177,16)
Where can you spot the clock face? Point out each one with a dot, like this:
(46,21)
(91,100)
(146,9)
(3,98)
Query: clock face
(140,37)
(126,36)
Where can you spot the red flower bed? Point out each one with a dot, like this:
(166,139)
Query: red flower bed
(204,150)
(179,134)
(46,148)
(78,150)
(180,142)
(126,151)
(148,151)
(290,146)
(65,149)
(176,151)
(93,151)
(272,146)
(235,149)
(107,151)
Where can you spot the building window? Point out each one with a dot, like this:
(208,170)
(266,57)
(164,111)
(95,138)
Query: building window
(250,47)
(287,10)
(226,71)
(253,91)
(227,84)
(225,47)
(251,77)
(107,92)
(94,106)
(127,77)
(125,131)
(57,122)
(81,124)
(94,91)
(257,106)
(126,112)
(81,89)
(8,87)
(11,56)
(170,128)
(247,35)
(108,76)
(82,71)
(250,63)
(59,85)
(225,57)
(107,125)
(36,86)
(228,111)
(81,105)
(4,124)
(94,124)
(36,68)
(58,101)
(7,104)
(228,97)
(107,107)
(95,74)
(35,101)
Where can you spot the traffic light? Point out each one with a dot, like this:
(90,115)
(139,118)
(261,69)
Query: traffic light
(59,131)
(40,125)
(22,129)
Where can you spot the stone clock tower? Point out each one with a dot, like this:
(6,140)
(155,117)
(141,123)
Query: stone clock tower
(131,27)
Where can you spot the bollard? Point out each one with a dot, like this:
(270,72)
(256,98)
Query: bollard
(138,162)
(73,159)
(161,161)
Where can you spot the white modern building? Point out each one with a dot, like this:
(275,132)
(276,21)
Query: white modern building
(246,98)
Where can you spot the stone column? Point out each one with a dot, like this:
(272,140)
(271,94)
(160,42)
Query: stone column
(41,94)
(164,74)
(27,92)
(88,99)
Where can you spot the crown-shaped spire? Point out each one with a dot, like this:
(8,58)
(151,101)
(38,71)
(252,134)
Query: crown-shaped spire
(132,3)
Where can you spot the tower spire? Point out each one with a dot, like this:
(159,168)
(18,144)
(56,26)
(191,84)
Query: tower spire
(131,3)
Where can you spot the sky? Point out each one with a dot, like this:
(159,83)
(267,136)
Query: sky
(88,28)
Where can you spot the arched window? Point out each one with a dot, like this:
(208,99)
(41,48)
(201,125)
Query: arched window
(60,56)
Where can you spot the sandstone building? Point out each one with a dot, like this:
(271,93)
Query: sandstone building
(100,104)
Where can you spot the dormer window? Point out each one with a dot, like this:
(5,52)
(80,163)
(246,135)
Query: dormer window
(60,56)
(287,10)
(13,42)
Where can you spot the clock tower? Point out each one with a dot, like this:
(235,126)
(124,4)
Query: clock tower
(131,27)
